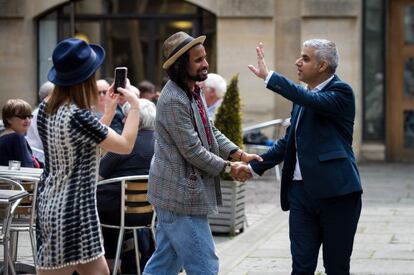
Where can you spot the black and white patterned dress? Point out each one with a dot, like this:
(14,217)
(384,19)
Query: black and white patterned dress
(67,225)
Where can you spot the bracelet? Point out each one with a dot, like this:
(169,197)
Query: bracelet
(241,155)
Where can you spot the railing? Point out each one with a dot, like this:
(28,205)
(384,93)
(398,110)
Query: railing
(279,126)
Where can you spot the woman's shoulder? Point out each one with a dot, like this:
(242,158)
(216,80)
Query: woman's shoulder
(12,136)
(12,140)
(80,111)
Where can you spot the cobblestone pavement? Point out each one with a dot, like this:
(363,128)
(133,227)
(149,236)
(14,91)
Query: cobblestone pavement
(384,243)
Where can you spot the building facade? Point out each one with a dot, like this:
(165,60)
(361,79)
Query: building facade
(375,40)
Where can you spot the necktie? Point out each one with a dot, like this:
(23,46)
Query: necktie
(203,115)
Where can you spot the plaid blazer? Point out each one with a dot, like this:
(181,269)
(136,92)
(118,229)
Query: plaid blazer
(184,173)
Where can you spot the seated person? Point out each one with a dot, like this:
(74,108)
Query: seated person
(32,135)
(147,91)
(103,87)
(17,115)
(114,165)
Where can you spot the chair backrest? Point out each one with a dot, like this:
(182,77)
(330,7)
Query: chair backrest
(6,211)
(136,199)
(26,206)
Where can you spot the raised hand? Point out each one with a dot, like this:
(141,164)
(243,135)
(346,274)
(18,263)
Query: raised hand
(111,100)
(240,171)
(130,94)
(261,70)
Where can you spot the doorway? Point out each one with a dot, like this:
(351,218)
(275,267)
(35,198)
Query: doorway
(400,88)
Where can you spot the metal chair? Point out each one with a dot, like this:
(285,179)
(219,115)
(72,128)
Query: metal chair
(133,201)
(6,214)
(24,216)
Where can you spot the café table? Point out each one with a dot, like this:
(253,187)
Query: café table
(7,199)
(22,172)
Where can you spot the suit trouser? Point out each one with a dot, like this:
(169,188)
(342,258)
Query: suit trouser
(331,222)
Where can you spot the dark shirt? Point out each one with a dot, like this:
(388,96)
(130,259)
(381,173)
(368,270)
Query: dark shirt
(136,163)
(115,165)
(14,146)
(117,123)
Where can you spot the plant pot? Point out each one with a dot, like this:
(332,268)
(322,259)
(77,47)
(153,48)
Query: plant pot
(231,217)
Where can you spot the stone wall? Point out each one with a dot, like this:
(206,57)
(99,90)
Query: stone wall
(280,24)
(18,50)
(236,43)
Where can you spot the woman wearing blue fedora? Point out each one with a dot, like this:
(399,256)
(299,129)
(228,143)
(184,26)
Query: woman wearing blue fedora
(67,228)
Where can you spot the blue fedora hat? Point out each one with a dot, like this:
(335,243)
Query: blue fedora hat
(74,61)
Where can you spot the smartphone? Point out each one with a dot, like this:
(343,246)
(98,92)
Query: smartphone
(120,78)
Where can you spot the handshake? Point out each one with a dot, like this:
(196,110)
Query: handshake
(240,170)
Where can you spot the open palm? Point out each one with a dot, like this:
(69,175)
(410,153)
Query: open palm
(261,70)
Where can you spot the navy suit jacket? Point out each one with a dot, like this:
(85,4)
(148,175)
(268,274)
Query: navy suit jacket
(323,140)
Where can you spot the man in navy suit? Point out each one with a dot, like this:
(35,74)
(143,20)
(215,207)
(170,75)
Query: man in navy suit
(320,180)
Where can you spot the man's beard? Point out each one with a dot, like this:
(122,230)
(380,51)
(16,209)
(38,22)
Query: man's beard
(198,77)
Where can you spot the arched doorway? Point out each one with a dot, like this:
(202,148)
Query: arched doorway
(132,32)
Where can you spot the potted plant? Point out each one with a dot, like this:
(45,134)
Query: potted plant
(231,216)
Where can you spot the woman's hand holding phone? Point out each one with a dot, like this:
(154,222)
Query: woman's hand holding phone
(130,94)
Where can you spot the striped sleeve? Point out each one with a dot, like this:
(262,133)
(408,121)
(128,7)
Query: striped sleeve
(88,126)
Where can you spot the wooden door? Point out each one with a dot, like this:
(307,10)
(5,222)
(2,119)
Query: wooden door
(400,86)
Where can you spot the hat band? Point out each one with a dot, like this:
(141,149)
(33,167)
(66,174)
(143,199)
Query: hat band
(80,70)
(180,46)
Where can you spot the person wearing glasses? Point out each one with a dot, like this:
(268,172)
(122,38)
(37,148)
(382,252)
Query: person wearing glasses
(103,87)
(17,116)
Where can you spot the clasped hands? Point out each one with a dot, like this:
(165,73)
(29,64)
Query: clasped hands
(240,170)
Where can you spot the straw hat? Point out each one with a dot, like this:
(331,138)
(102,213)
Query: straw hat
(177,44)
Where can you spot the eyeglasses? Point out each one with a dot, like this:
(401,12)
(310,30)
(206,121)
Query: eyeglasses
(24,116)
(101,93)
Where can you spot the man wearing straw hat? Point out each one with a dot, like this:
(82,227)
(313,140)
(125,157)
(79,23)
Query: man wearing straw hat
(189,155)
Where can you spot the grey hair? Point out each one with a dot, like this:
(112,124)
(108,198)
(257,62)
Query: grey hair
(217,82)
(325,50)
(147,112)
(45,90)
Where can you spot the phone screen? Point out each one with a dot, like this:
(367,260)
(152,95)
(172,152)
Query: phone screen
(120,78)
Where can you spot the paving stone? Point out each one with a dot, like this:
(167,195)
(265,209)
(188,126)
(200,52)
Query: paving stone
(384,243)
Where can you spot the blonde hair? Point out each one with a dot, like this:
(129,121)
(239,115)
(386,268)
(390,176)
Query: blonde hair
(84,95)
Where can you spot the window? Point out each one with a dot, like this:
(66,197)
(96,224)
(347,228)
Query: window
(374,70)
(47,39)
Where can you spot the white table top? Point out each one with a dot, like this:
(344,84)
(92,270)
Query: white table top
(9,196)
(23,172)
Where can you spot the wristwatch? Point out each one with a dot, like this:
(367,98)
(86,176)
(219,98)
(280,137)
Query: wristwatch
(227,167)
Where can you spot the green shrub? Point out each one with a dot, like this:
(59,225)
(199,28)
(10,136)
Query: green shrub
(228,117)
